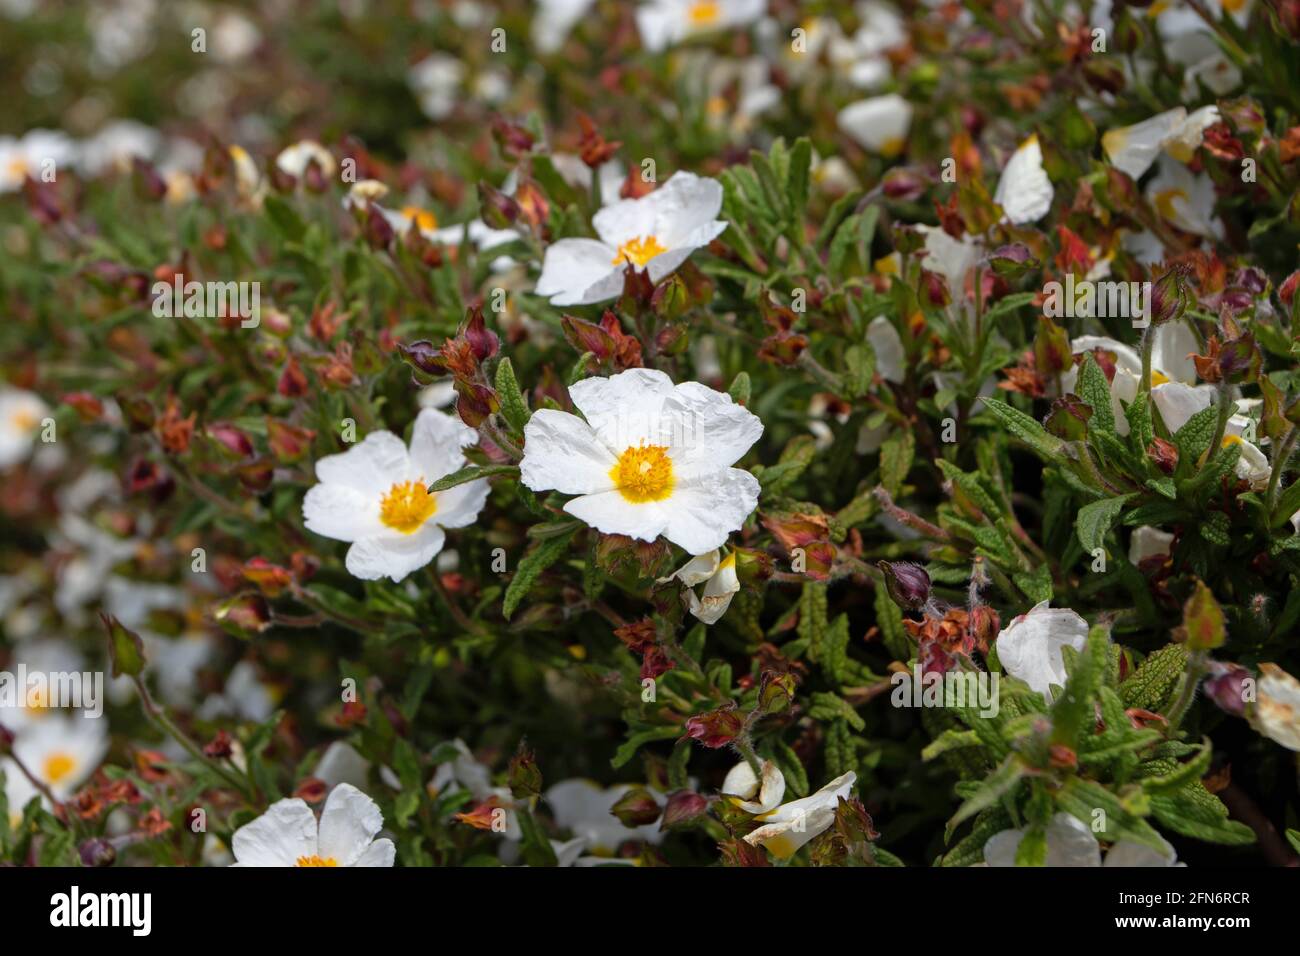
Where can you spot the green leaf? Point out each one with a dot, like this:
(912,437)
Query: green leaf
(991,789)
(470,473)
(530,568)
(1151,684)
(283,217)
(1025,428)
(513,406)
(627,750)
(896,457)
(1095,390)
(1095,519)
(797,176)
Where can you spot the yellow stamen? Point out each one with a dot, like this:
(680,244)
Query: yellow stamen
(23,421)
(407,506)
(57,766)
(639,251)
(1158,377)
(1232,440)
(892,147)
(315,860)
(704,13)
(644,473)
(17,167)
(422,217)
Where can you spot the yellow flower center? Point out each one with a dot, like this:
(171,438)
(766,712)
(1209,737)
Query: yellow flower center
(23,421)
(1232,440)
(315,860)
(704,13)
(18,167)
(639,251)
(1158,377)
(892,147)
(1233,6)
(57,766)
(422,217)
(644,473)
(1165,202)
(407,506)
(38,699)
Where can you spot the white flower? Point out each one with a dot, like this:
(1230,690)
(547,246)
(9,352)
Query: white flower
(1147,542)
(249,184)
(720,585)
(38,152)
(554,20)
(651,458)
(1171,347)
(293,159)
(949,257)
(1184,199)
(341,763)
(878,124)
(1071,843)
(436,81)
(578,175)
(1132,149)
(475,232)
(742,786)
(1276,711)
(21,414)
(1029,648)
(61,751)
(287,834)
(375,496)
(1024,192)
(793,824)
(1178,402)
(656,232)
(584,808)
(665,22)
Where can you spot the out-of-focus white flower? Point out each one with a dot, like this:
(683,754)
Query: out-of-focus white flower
(245,696)
(793,824)
(651,458)
(375,496)
(1029,648)
(656,233)
(719,580)
(232,36)
(60,750)
(663,23)
(288,834)
(1132,149)
(436,81)
(554,20)
(293,160)
(1024,192)
(583,807)
(38,154)
(742,785)
(21,414)
(1184,199)
(1276,710)
(249,184)
(116,145)
(578,175)
(879,124)
(339,764)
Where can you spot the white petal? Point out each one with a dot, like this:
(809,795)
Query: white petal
(625,409)
(683,210)
(703,512)
(741,781)
(1024,192)
(1170,350)
(579,272)
(394,556)
(879,124)
(695,571)
(286,831)
(459,507)
(1276,711)
(1178,402)
(888,347)
(341,763)
(828,797)
(1132,149)
(436,443)
(707,427)
(562,453)
(1029,648)
(1147,542)
(1127,853)
(610,513)
(341,513)
(380,853)
(370,467)
(716,597)
(742,785)
(348,823)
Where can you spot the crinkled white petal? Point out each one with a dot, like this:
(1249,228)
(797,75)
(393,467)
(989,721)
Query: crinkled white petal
(371,466)
(1276,711)
(703,512)
(285,832)
(394,556)
(348,824)
(1128,853)
(1178,402)
(1069,843)
(1132,149)
(342,513)
(580,272)
(695,571)
(715,597)
(1029,648)
(436,443)
(562,453)
(707,428)
(625,409)
(459,507)
(742,785)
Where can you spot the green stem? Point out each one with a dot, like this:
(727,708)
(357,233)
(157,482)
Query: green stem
(1187,689)
(159,717)
(1148,343)
(1226,404)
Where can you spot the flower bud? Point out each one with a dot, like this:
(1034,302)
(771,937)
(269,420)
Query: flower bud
(1227,686)
(636,808)
(97,852)
(524,775)
(683,809)
(908,584)
(716,728)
